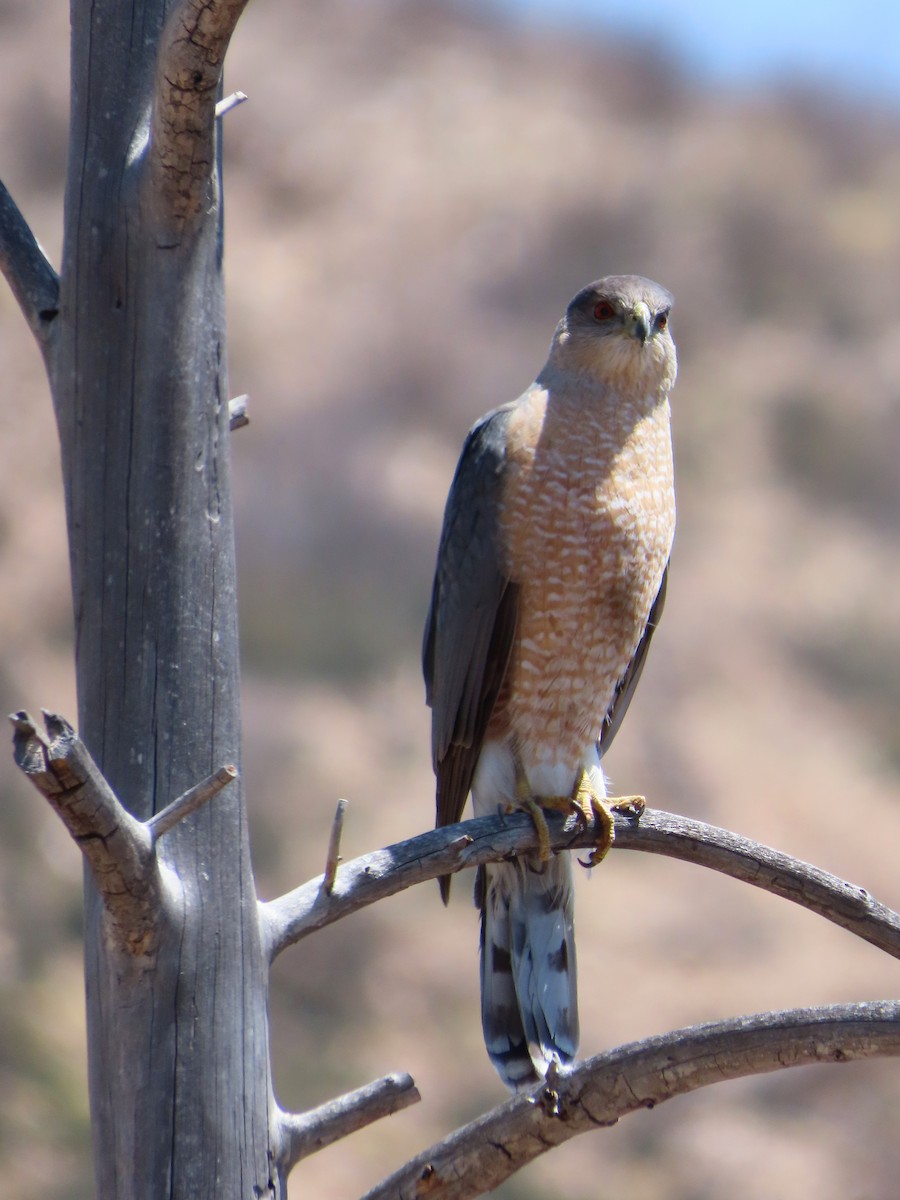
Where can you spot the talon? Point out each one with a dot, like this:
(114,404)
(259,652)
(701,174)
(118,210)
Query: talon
(630,807)
(588,808)
(594,810)
(600,851)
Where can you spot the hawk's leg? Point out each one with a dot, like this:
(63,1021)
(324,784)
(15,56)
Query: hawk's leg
(526,800)
(590,807)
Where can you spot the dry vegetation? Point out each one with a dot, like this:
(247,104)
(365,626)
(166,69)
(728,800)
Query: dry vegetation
(412,196)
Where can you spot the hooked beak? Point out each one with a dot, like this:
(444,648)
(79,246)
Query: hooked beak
(639,322)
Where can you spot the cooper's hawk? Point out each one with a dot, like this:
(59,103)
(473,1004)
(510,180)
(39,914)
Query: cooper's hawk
(550,580)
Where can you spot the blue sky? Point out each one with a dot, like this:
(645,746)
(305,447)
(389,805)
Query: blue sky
(854,47)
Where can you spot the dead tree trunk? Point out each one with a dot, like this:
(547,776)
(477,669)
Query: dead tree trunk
(178,1051)
(133,337)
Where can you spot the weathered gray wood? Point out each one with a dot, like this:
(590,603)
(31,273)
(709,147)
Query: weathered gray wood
(33,280)
(478,1157)
(306,1133)
(362,881)
(178,1053)
(119,850)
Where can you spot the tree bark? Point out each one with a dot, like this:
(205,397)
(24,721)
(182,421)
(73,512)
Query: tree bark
(594,1094)
(178,1043)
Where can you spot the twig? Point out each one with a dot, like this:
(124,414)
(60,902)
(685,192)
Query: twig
(237,412)
(28,272)
(192,799)
(188,71)
(305,1133)
(229,102)
(478,1157)
(364,880)
(334,847)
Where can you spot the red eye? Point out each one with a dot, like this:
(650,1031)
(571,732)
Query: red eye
(604,311)
(662,320)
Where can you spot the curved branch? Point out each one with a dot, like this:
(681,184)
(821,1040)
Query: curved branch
(843,903)
(28,272)
(478,1157)
(182,140)
(372,877)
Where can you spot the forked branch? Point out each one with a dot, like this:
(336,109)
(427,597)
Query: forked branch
(480,1156)
(118,848)
(364,880)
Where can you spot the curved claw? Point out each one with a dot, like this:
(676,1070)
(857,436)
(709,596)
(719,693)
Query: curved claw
(590,808)
(631,807)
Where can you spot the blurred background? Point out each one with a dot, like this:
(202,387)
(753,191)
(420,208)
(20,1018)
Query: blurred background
(413,193)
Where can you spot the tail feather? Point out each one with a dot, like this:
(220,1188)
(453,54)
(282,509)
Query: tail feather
(529,1006)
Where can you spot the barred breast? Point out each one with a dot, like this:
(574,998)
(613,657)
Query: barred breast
(588,521)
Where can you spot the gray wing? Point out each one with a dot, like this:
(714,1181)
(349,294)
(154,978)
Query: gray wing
(471,623)
(629,681)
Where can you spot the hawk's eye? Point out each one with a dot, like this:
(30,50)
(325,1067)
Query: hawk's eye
(662,320)
(604,311)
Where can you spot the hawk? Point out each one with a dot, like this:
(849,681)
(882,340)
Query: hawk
(550,580)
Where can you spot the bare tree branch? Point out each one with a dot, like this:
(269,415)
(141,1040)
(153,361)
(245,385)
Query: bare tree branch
(478,1157)
(192,799)
(364,880)
(845,904)
(305,1133)
(182,138)
(33,280)
(116,846)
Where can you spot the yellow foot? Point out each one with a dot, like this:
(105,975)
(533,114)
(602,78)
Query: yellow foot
(597,809)
(631,807)
(594,810)
(589,807)
(534,810)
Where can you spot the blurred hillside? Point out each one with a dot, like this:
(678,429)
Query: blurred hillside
(412,195)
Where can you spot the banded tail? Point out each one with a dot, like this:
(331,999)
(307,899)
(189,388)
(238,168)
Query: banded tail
(529,1005)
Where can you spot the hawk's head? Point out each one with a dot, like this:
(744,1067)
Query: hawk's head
(616,330)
